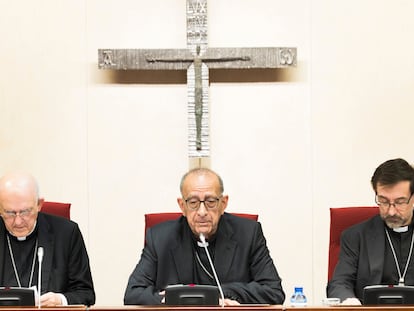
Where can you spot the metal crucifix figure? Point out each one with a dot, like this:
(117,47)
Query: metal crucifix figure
(197,59)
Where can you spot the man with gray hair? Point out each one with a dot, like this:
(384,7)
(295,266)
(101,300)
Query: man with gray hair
(66,278)
(173,252)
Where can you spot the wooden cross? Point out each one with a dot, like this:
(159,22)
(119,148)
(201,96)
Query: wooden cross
(197,59)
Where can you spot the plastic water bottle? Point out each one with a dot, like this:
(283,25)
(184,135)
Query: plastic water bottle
(298,299)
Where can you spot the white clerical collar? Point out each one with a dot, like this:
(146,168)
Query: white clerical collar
(401,229)
(201,244)
(23,238)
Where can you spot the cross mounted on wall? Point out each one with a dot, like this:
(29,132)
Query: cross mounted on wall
(197,59)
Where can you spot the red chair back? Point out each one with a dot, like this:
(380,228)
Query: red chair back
(56,208)
(342,218)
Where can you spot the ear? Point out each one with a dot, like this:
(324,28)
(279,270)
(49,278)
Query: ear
(224,201)
(181,204)
(40,202)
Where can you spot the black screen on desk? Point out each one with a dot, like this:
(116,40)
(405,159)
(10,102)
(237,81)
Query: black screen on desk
(388,295)
(12,296)
(192,295)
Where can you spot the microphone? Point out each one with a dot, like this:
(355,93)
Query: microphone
(205,244)
(40,252)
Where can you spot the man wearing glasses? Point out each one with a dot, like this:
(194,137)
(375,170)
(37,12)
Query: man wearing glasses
(379,250)
(172,254)
(66,276)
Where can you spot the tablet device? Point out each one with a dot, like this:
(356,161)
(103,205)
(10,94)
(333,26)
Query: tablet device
(16,296)
(192,295)
(388,295)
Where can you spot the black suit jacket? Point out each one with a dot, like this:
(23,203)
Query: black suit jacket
(65,266)
(361,260)
(242,262)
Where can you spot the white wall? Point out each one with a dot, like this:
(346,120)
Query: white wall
(287,149)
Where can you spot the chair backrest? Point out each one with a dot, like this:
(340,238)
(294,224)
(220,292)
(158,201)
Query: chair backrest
(56,208)
(342,218)
(156,218)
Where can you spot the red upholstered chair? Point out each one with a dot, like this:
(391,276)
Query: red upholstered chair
(56,208)
(155,218)
(342,218)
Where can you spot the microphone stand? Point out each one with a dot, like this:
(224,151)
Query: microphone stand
(204,244)
(39,277)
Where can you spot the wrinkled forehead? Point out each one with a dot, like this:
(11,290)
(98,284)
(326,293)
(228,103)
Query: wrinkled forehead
(18,198)
(204,182)
(16,201)
(402,188)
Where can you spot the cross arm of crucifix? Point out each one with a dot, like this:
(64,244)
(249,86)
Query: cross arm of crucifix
(181,59)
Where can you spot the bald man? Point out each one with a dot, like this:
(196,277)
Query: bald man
(66,275)
(172,254)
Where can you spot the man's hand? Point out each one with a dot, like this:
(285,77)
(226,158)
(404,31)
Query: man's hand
(162,294)
(50,299)
(229,302)
(351,302)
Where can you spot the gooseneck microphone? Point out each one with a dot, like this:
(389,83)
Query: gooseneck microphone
(40,252)
(205,244)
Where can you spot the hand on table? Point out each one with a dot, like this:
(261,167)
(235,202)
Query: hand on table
(50,299)
(351,302)
(229,302)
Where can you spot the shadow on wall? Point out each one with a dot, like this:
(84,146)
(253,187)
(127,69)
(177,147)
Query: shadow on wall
(180,76)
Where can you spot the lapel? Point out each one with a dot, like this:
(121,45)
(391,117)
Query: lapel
(225,249)
(182,254)
(45,234)
(225,252)
(376,248)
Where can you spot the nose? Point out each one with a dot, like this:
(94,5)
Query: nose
(392,210)
(18,219)
(202,210)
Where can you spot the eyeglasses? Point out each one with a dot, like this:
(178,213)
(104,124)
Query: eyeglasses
(194,203)
(13,214)
(398,204)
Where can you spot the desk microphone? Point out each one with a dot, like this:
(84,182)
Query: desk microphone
(205,244)
(40,252)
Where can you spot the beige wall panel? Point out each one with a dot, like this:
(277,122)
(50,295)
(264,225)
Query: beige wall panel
(288,145)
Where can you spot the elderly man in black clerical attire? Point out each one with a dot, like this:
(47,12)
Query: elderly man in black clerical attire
(172,254)
(66,275)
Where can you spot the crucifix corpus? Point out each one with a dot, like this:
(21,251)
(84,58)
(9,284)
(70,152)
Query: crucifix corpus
(197,59)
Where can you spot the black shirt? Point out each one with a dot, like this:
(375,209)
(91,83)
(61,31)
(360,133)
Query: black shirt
(401,242)
(24,255)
